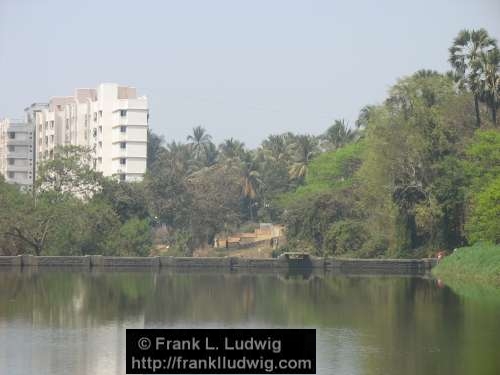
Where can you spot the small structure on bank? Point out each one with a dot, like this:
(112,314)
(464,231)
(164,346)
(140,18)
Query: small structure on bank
(266,234)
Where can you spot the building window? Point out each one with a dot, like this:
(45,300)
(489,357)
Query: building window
(95,116)
(12,135)
(51,139)
(122,177)
(100,144)
(10,161)
(10,174)
(123,113)
(123,161)
(123,129)
(100,129)
(123,145)
(12,148)
(100,113)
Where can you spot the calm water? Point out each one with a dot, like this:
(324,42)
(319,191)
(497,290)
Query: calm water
(71,322)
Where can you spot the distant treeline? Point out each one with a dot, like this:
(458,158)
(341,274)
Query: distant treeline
(417,173)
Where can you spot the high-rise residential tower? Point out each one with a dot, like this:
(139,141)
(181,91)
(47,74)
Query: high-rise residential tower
(16,152)
(112,121)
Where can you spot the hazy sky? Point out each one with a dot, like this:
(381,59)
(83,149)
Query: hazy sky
(242,69)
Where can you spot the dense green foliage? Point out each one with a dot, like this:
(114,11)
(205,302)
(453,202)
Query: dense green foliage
(417,173)
(425,171)
(397,191)
(73,211)
(479,263)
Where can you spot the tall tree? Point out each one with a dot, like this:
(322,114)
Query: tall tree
(250,181)
(488,65)
(70,172)
(211,155)
(155,147)
(199,141)
(483,168)
(215,193)
(464,53)
(166,190)
(338,135)
(276,147)
(178,157)
(305,147)
(232,148)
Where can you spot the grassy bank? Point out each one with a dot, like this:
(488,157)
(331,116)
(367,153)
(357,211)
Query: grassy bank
(478,264)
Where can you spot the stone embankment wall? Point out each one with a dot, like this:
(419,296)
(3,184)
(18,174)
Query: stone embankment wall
(403,266)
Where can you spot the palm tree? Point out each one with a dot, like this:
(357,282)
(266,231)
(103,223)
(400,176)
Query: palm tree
(211,154)
(199,140)
(489,66)
(250,180)
(305,148)
(276,147)
(338,135)
(232,148)
(464,53)
(179,157)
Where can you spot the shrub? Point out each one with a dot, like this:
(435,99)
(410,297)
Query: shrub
(344,236)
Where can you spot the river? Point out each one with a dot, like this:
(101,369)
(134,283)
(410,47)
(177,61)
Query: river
(56,321)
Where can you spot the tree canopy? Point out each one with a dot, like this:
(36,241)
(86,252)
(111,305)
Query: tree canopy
(418,172)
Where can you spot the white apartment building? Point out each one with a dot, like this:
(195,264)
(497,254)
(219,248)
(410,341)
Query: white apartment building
(111,120)
(16,152)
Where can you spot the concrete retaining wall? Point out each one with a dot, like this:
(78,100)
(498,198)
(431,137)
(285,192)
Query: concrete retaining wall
(7,261)
(257,263)
(83,261)
(130,262)
(195,262)
(403,266)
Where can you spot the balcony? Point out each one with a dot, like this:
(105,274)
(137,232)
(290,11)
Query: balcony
(120,153)
(119,137)
(19,154)
(19,142)
(19,168)
(132,134)
(140,103)
(16,121)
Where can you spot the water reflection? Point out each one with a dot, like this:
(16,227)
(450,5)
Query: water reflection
(60,321)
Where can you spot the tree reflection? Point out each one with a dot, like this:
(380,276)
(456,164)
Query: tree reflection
(383,324)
